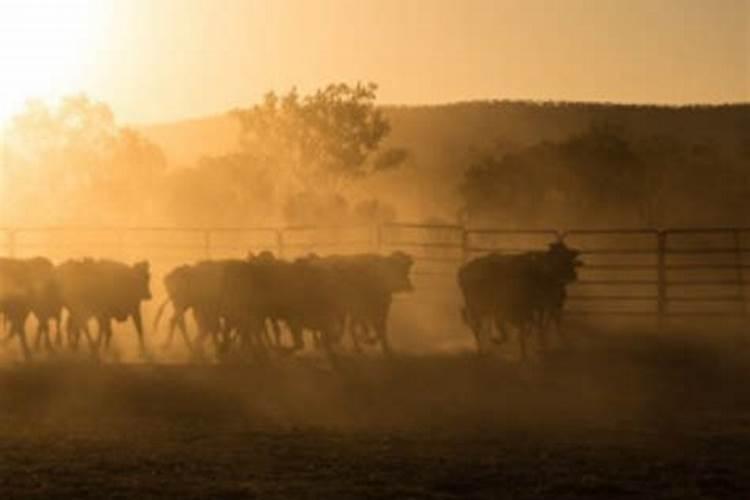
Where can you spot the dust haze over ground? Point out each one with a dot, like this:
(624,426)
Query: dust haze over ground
(621,414)
(624,412)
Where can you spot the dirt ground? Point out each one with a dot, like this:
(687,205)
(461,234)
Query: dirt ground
(618,416)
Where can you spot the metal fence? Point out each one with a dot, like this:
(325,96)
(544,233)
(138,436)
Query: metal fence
(628,273)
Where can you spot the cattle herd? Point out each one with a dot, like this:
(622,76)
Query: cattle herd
(264,305)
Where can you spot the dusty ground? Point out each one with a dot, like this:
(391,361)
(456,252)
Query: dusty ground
(619,417)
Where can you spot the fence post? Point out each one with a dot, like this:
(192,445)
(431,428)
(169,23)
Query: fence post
(662,279)
(11,243)
(207,243)
(739,262)
(378,237)
(280,242)
(465,249)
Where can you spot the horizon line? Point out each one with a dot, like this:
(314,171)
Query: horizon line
(522,101)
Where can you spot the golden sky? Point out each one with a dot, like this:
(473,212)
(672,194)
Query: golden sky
(156,60)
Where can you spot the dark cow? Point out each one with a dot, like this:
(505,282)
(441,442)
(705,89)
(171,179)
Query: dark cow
(177,285)
(46,303)
(15,299)
(264,290)
(103,290)
(196,288)
(241,299)
(28,286)
(525,291)
(367,283)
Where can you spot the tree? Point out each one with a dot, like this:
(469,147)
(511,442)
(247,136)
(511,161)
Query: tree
(231,190)
(319,142)
(607,171)
(72,164)
(594,177)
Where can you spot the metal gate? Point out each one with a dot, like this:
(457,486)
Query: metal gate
(626,273)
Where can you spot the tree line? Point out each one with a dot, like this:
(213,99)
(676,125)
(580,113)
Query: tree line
(334,156)
(296,162)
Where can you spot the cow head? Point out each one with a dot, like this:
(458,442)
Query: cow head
(142,274)
(396,272)
(564,261)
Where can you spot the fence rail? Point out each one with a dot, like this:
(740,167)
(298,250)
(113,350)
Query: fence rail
(645,272)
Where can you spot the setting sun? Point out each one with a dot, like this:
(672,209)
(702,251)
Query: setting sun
(45,48)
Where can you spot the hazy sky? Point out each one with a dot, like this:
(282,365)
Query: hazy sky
(157,60)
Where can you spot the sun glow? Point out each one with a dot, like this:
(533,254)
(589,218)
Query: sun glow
(46,47)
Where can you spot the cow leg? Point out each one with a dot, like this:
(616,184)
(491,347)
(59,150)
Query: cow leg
(198,343)
(245,340)
(248,333)
(93,343)
(355,328)
(381,330)
(522,332)
(138,322)
(103,334)
(257,336)
(475,325)
(325,340)
(276,324)
(209,325)
(44,326)
(230,334)
(269,325)
(501,328)
(183,331)
(222,339)
(215,340)
(70,332)
(42,334)
(270,334)
(38,338)
(365,331)
(48,344)
(170,331)
(108,338)
(177,321)
(21,334)
(265,333)
(317,341)
(200,340)
(16,324)
(254,338)
(296,331)
(9,333)
(276,328)
(58,331)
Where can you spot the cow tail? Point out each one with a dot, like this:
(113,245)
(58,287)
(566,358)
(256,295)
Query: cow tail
(159,312)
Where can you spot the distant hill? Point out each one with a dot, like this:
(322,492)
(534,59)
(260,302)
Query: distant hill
(479,124)
(442,139)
